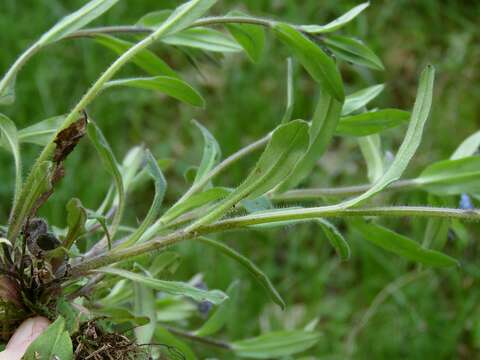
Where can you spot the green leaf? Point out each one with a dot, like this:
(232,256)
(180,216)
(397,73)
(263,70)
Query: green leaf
(204,39)
(9,137)
(195,201)
(252,269)
(287,145)
(7,93)
(361,98)
(145,59)
(39,184)
(76,219)
(370,147)
(335,238)
(451,177)
(41,133)
(154,19)
(287,116)
(337,23)
(170,287)
(184,15)
(261,203)
(176,349)
(120,315)
(211,153)
(324,123)
(276,344)
(170,86)
(250,37)
(403,246)
(221,315)
(53,343)
(319,65)
(160,188)
(468,147)
(144,306)
(111,165)
(354,51)
(77,20)
(410,143)
(133,161)
(371,122)
(166,261)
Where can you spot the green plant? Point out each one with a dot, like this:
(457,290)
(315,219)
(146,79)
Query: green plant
(45,271)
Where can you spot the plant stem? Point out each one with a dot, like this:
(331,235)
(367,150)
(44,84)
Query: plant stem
(161,242)
(213,20)
(318,193)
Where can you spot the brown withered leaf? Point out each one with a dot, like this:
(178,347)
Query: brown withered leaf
(69,137)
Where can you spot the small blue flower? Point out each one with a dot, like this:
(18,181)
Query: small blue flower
(203,307)
(466,202)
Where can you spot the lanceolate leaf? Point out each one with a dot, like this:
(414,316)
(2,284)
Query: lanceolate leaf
(170,86)
(287,116)
(144,306)
(335,238)
(211,153)
(111,164)
(170,287)
(39,184)
(9,137)
(410,143)
(371,122)
(185,15)
(354,51)
(337,23)
(250,37)
(468,147)
(7,93)
(53,343)
(287,145)
(76,219)
(160,188)
(371,151)
(402,246)
(276,345)
(361,98)
(145,59)
(452,177)
(319,65)
(204,39)
(41,133)
(154,19)
(177,349)
(195,201)
(253,269)
(324,123)
(77,20)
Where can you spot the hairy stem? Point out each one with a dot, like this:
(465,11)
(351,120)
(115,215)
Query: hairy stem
(135,29)
(305,214)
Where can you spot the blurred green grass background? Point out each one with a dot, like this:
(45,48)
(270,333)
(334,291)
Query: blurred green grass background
(435,317)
